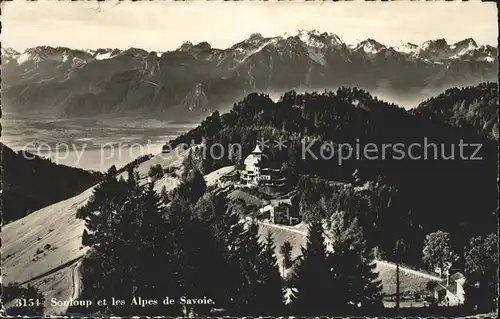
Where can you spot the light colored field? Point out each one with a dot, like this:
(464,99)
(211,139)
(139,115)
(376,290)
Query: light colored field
(55,225)
(212,178)
(409,279)
(280,235)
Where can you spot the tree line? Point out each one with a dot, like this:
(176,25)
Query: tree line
(403,198)
(31,182)
(194,245)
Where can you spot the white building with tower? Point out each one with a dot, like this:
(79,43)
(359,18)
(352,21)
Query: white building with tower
(257,172)
(250,175)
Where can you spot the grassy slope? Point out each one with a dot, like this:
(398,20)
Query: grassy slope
(57,226)
(387,273)
(249,199)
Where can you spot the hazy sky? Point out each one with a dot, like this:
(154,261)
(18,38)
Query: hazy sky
(161,25)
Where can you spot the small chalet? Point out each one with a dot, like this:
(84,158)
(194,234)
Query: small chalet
(450,291)
(281,211)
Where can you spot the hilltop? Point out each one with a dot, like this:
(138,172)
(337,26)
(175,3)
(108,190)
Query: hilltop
(474,106)
(30,182)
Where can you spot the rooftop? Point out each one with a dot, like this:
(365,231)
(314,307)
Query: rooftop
(453,284)
(276,202)
(257,150)
(452,287)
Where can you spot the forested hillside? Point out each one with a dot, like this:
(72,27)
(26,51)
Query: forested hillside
(30,182)
(474,106)
(407,196)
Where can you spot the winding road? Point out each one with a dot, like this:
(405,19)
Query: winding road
(53,270)
(76,280)
(75,264)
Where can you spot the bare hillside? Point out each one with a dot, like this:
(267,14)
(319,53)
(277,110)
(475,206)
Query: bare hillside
(44,247)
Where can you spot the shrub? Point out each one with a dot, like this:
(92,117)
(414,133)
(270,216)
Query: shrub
(156,172)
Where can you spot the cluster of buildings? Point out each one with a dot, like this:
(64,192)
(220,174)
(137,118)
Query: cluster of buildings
(281,211)
(256,173)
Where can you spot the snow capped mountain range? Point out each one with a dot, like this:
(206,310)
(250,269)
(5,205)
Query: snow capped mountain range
(432,50)
(60,54)
(200,77)
(436,51)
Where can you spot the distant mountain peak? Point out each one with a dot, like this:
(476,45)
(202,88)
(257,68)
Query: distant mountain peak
(255,36)
(203,46)
(464,45)
(316,38)
(9,51)
(466,42)
(185,46)
(200,47)
(407,48)
(436,43)
(370,46)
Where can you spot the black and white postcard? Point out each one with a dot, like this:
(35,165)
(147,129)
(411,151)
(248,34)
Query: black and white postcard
(249,158)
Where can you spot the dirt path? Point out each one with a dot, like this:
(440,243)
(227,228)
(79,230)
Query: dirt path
(53,270)
(284,228)
(408,270)
(76,281)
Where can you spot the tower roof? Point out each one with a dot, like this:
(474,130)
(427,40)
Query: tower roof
(257,150)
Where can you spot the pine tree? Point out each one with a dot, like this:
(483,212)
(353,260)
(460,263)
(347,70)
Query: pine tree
(249,252)
(143,224)
(102,267)
(111,171)
(156,172)
(213,212)
(209,267)
(131,176)
(132,251)
(188,164)
(107,194)
(270,293)
(192,187)
(214,209)
(313,279)
(286,252)
(354,267)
